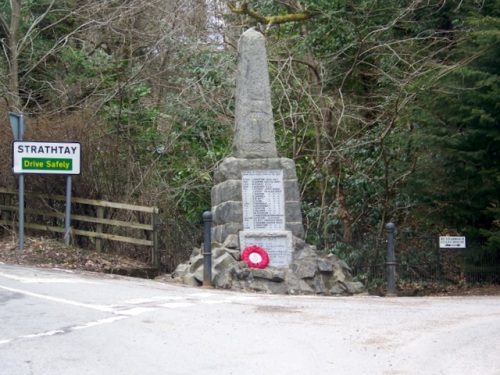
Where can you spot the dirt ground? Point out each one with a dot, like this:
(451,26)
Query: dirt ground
(48,253)
(441,291)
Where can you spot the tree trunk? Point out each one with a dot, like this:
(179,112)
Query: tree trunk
(12,97)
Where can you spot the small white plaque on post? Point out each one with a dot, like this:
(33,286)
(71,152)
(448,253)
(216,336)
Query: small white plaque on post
(263,200)
(277,244)
(452,242)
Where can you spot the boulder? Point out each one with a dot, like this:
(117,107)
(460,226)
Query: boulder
(311,272)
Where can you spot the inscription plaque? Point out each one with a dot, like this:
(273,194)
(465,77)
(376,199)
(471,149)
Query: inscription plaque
(263,200)
(277,244)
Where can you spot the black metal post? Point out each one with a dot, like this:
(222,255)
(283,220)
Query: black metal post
(207,250)
(391,261)
(67,216)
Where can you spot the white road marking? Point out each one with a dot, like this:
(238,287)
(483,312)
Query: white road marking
(61,300)
(75,328)
(120,309)
(141,301)
(35,335)
(138,301)
(99,322)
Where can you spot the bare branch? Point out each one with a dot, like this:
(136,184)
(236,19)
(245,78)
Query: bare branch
(243,8)
(4,25)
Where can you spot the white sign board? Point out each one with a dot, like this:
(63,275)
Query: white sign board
(46,157)
(263,200)
(451,242)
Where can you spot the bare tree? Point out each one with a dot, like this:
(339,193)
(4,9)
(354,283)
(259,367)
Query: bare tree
(20,36)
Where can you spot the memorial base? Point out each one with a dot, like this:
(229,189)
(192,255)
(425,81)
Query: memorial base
(227,205)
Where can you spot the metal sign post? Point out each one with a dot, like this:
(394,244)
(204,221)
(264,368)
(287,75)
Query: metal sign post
(21,212)
(391,261)
(207,250)
(18,126)
(67,216)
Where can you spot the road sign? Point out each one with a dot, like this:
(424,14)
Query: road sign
(451,242)
(17,124)
(36,157)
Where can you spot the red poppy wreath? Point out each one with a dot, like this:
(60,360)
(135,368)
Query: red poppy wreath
(255,256)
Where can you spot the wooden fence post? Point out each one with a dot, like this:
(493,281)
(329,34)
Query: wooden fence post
(154,257)
(99,229)
(8,202)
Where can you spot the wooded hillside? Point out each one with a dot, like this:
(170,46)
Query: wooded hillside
(389,108)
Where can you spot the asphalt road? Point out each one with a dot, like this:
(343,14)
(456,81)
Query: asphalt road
(57,322)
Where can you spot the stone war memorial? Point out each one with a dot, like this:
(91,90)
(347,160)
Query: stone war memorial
(257,226)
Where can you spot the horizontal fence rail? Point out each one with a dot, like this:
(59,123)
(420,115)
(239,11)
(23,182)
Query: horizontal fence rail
(104,227)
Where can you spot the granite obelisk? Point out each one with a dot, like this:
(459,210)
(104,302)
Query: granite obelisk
(256,203)
(254,135)
(256,191)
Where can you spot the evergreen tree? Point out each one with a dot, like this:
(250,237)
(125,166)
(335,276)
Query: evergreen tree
(460,129)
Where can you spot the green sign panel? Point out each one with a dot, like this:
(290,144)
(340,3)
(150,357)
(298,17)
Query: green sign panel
(47,164)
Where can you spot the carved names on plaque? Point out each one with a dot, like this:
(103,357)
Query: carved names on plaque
(263,200)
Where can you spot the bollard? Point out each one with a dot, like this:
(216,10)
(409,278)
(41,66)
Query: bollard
(391,261)
(207,250)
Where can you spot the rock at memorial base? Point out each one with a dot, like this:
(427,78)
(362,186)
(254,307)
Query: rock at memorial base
(195,262)
(354,287)
(197,251)
(223,279)
(297,286)
(225,261)
(339,275)
(181,269)
(343,265)
(318,286)
(190,280)
(275,275)
(198,275)
(305,268)
(218,251)
(256,285)
(308,275)
(324,265)
(241,270)
(276,288)
(338,289)
(232,242)
(304,252)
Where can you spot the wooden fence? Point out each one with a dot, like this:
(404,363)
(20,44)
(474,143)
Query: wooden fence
(104,228)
